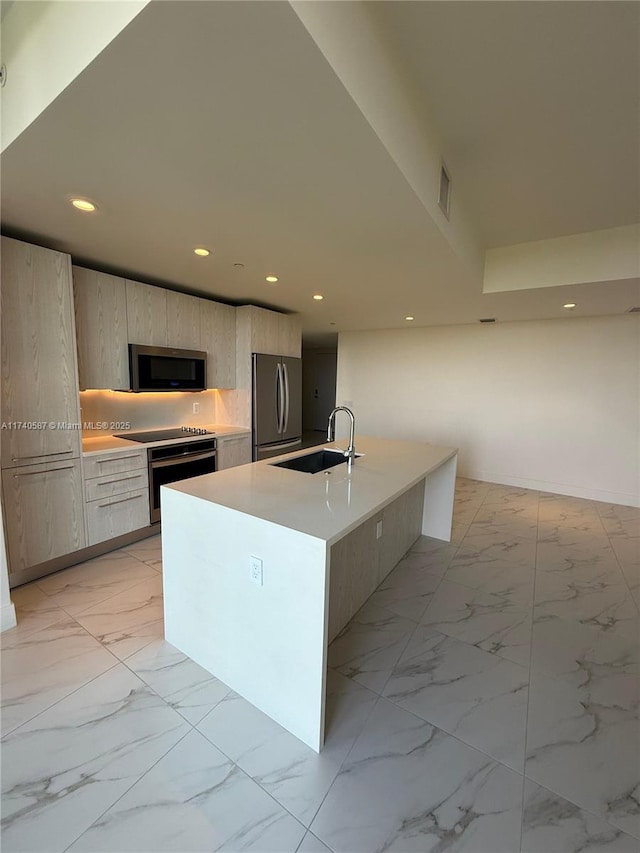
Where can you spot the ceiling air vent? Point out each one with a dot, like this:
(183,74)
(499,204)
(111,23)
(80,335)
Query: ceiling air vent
(444,192)
(487,320)
(635,310)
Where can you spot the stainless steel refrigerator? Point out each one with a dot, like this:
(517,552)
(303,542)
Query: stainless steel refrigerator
(277,405)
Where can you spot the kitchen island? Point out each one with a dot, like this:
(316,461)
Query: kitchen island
(263,565)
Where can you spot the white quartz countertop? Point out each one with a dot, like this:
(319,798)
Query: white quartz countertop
(100,443)
(326,505)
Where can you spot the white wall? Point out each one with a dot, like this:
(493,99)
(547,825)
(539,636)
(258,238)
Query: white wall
(7,610)
(551,405)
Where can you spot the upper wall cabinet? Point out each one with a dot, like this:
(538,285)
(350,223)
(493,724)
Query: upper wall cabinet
(101,327)
(146,314)
(183,321)
(39,373)
(218,340)
(273,333)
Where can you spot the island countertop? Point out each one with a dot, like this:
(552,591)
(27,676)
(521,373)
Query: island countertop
(326,505)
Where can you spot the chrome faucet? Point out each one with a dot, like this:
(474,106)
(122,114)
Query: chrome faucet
(350,452)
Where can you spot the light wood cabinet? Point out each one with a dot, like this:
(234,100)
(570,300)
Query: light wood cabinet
(116,515)
(183,321)
(218,340)
(101,329)
(271,332)
(43,510)
(146,314)
(232,451)
(116,491)
(39,369)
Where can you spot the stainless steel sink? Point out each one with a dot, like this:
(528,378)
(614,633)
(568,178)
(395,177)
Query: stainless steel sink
(312,463)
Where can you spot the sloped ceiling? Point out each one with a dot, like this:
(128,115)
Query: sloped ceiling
(224,124)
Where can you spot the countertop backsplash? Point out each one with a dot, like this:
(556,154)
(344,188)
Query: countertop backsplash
(107,412)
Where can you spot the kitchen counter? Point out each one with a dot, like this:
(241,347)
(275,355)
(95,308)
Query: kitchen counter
(326,505)
(262,565)
(99,443)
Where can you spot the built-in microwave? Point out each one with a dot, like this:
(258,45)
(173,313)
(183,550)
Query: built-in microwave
(166,369)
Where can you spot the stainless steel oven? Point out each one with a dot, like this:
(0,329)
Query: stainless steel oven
(175,462)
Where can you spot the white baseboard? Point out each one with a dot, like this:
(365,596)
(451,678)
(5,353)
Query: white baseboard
(571,490)
(7,617)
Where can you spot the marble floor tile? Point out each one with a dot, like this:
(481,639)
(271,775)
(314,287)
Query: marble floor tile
(127,622)
(551,824)
(478,548)
(439,550)
(478,697)
(583,536)
(510,496)
(63,769)
(407,786)
(148,550)
(579,654)
(523,515)
(482,619)
(193,799)
(603,603)
(583,737)
(627,551)
(368,648)
(296,776)
(514,582)
(45,667)
(620,520)
(182,683)
(80,587)
(34,611)
(564,508)
(311,844)
(407,590)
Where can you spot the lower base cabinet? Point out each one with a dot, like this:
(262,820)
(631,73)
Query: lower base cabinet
(232,451)
(44,512)
(116,515)
(116,491)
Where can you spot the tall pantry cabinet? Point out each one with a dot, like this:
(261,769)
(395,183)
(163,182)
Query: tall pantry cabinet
(40,458)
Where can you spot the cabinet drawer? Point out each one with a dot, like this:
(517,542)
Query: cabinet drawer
(114,463)
(116,484)
(113,516)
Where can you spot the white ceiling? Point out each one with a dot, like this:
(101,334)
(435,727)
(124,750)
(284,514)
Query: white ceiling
(222,124)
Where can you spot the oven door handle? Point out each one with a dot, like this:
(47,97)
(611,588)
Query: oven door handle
(176,460)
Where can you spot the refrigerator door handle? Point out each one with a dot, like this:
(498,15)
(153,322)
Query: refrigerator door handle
(279,400)
(286,397)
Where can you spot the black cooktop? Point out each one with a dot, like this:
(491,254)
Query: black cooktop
(163,434)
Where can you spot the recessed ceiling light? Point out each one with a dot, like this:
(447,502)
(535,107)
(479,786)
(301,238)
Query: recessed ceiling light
(272,279)
(201,252)
(409,317)
(83,204)
(569,305)
(318,296)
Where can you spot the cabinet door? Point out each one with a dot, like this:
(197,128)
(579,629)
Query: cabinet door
(290,335)
(43,510)
(265,331)
(101,329)
(183,320)
(146,314)
(233,451)
(218,340)
(39,368)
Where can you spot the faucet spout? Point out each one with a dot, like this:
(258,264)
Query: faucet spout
(350,452)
